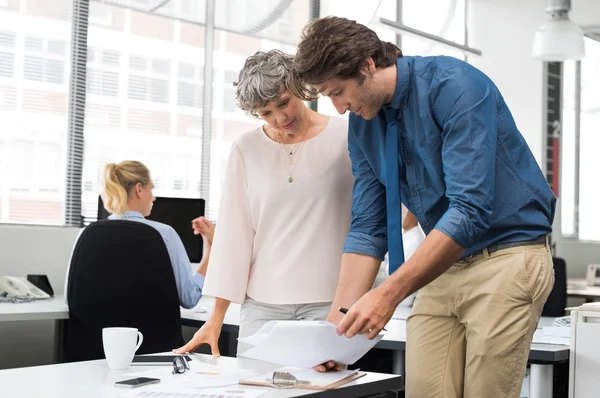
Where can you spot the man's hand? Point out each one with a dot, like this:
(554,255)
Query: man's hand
(369,314)
(204,228)
(328,366)
(334,317)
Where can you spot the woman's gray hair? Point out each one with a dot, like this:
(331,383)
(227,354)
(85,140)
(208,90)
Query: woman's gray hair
(263,77)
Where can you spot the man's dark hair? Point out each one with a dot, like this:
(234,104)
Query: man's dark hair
(334,47)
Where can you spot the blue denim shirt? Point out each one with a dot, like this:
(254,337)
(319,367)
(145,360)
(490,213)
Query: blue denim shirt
(465,169)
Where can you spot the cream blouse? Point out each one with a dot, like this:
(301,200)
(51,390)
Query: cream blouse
(276,241)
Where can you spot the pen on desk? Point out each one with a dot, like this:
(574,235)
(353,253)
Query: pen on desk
(345,311)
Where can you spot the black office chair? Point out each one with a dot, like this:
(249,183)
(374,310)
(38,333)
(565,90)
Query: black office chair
(120,276)
(557,300)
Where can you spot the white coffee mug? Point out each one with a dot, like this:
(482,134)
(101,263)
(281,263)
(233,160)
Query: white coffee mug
(120,344)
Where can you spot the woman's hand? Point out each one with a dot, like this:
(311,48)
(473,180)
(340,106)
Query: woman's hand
(205,228)
(207,334)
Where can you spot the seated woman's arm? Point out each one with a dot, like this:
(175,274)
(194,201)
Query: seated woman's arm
(206,229)
(189,284)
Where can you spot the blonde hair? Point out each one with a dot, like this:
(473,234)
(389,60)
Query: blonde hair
(119,180)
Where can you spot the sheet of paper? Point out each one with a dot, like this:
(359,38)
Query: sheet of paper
(199,376)
(540,337)
(305,344)
(170,391)
(314,378)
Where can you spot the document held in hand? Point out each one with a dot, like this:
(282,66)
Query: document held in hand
(305,344)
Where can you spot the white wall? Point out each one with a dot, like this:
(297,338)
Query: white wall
(503,30)
(504,35)
(36,250)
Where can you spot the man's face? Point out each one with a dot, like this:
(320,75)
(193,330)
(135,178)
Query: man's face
(349,95)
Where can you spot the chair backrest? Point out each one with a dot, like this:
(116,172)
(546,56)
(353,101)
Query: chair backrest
(121,276)
(557,300)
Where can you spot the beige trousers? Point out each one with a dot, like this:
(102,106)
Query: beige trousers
(470,329)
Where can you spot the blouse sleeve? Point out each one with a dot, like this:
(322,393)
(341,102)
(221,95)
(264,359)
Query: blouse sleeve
(231,255)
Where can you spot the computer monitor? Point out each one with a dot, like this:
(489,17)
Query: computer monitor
(178,213)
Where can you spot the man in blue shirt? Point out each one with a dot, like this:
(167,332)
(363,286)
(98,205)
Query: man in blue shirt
(435,134)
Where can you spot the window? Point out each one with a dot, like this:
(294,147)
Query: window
(44,60)
(190,85)
(20,166)
(147,85)
(51,11)
(10,5)
(34,73)
(148,79)
(50,168)
(229,102)
(100,14)
(144,96)
(7,56)
(579,210)
(103,72)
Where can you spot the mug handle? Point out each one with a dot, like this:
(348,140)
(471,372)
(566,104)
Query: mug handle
(140,340)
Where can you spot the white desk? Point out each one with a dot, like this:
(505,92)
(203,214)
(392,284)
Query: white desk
(93,379)
(580,288)
(54,308)
(542,357)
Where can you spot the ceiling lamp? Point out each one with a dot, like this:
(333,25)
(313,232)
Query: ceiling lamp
(559,38)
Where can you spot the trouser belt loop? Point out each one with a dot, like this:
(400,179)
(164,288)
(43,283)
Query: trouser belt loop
(486,252)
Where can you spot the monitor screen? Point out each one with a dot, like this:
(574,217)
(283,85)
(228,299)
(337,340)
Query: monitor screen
(178,213)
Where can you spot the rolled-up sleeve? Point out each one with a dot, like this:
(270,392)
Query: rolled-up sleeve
(368,231)
(233,243)
(189,283)
(465,106)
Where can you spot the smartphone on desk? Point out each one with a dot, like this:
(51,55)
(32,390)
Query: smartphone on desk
(137,382)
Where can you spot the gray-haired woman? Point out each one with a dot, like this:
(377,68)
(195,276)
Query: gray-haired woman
(285,207)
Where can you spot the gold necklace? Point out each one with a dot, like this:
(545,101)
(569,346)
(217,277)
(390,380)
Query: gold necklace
(291,152)
(289,162)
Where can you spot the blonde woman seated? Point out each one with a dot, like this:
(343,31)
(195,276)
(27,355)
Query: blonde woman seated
(285,208)
(127,194)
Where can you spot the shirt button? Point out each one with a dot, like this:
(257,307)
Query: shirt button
(408,161)
(414,193)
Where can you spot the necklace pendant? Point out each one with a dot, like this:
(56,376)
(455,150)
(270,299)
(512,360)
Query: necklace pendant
(291,154)
(290,179)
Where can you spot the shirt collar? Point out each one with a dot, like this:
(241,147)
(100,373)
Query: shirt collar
(127,214)
(403,79)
